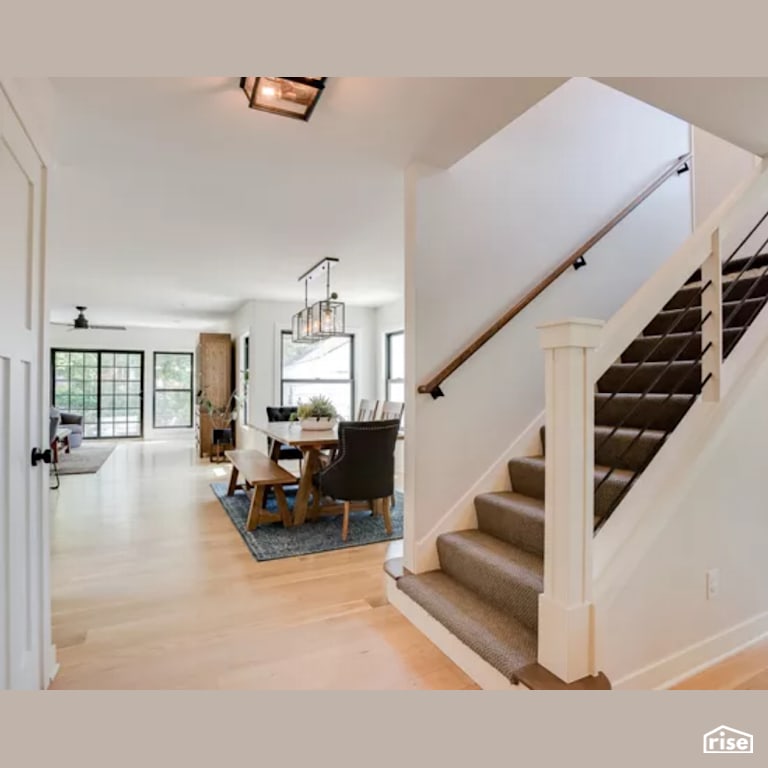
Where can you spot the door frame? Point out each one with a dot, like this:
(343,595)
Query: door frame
(30,109)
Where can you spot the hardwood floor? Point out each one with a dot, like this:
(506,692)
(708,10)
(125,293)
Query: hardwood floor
(153,588)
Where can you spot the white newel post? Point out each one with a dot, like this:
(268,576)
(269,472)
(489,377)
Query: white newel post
(566,623)
(712,328)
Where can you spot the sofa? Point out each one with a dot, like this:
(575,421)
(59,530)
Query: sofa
(71,421)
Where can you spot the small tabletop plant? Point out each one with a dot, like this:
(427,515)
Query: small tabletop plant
(317,407)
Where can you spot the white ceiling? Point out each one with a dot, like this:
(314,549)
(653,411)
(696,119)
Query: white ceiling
(172,203)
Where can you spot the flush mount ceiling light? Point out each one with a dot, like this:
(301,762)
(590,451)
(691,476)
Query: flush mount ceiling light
(324,318)
(294,97)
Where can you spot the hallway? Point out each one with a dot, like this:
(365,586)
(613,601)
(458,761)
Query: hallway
(153,588)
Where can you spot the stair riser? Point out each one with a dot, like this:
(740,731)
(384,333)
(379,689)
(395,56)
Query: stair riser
(648,414)
(680,378)
(495,585)
(692,318)
(517,528)
(735,266)
(733,290)
(654,349)
(529,480)
(625,452)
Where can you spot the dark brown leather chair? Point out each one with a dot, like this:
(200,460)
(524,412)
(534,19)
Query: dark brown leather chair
(364,468)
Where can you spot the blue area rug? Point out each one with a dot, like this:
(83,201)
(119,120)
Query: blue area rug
(271,541)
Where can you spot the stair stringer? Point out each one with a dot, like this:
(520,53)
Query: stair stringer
(622,546)
(462,516)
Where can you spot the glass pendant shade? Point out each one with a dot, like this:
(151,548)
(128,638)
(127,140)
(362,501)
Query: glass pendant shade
(301,327)
(327,318)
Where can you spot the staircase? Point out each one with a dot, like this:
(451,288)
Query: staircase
(487,587)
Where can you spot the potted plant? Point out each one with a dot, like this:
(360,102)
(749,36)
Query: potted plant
(221,417)
(317,413)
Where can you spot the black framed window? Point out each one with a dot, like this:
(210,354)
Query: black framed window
(396,366)
(172,390)
(105,387)
(323,368)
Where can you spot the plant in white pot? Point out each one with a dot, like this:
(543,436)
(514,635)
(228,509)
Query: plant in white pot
(317,413)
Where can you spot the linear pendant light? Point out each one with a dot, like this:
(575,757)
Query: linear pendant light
(325,318)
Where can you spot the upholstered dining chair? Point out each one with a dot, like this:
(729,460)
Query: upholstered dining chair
(390,409)
(364,468)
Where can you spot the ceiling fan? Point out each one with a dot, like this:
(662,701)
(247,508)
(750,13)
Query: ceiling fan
(81,322)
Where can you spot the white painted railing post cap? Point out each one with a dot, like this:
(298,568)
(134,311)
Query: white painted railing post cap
(572,332)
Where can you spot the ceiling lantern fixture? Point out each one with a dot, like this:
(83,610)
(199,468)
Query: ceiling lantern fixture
(294,97)
(324,318)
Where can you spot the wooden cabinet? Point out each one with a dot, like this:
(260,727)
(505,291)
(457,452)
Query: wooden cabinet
(213,380)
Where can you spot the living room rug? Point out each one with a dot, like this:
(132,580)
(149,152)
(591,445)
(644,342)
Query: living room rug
(271,541)
(86,459)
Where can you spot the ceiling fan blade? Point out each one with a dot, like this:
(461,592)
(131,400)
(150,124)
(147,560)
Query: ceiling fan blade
(107,327)
(69,325)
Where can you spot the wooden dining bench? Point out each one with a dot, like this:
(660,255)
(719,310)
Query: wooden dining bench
(260,473)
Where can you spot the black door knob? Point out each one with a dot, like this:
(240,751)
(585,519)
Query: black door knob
(38,456)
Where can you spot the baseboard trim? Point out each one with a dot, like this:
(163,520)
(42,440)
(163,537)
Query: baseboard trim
(486,676)
(697,657)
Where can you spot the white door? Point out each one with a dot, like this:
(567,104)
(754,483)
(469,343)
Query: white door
(23,427)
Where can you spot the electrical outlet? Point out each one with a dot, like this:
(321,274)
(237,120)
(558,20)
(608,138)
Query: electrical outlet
(713,583)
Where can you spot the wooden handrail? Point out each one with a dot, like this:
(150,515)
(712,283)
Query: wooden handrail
(576,259)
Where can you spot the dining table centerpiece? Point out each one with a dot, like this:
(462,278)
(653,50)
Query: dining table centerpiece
(317,413)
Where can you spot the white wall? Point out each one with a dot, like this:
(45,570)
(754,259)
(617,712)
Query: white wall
(147,340)
(718,168)
(492,226)
(654,621)
(264,321)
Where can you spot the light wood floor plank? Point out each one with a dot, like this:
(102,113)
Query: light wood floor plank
(153,588)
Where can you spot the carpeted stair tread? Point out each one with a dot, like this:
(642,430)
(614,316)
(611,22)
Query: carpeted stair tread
(679,377)
(690,296)
(754,283)
(626,447)
(502,574)
(527,476)
(754,286)
(655,411)
(691,318)
(681,346)
(494,635)
(735,266)
(513,518)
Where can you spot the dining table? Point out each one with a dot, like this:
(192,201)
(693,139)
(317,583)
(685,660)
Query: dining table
(312,443)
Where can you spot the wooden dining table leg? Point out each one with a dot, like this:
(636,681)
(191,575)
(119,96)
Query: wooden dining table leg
(300,506)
